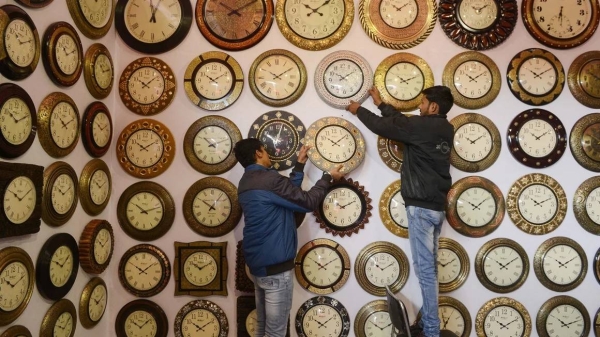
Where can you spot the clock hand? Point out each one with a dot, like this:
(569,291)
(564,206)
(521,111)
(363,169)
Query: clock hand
(237,10)
(476,139)
(102,128)
(540,136)
(202,327)
(444,320)
(197,326)
(502,325)
(484,200)
(567,325)
(471,79)
(63,193)
(498,262)
(65,261)
(210,143)
(209,205)
(344,206)
(509,262)
(98,301)
(380,328)
(545,71)
(315,261)
(540,203)
(146,322)
(13,117)
(474,78)
(327,321)
(574,257)
(336,142)
(12,285)
(511,322)
(320,324)
(151,209)
(474,206)
(279,76)
(138,268)
(329,263)
(312,9)
(15,194)
(216,78)
(389,265)
(153,11)
(231,10)
(386,326)
(143,211)
(67,123)
(147,146)
(24,195)
(399,8)
(447,263)
(221,141)
(103,244)
(316,9)
(149,267)
(99,186)
(560,263)
(534,73)
(274,76)
(560,15)
(343,78)
(139,326)
(593,75)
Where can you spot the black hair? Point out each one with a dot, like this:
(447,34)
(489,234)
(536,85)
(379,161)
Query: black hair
(245,151)
(440,95)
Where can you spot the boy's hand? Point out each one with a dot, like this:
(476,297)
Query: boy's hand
(353,107)
(336,173)
(374,92)
(303,154)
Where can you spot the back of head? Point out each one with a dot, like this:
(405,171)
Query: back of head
(440,95)
(245,151)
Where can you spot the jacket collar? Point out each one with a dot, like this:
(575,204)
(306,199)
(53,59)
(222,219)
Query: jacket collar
(257,167)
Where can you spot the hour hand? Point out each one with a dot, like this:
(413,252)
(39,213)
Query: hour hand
(232,11)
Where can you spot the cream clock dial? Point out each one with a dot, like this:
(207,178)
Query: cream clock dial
(99,187)
(67,54)
(537,204)
(454,316)
(16,275)
(61,266)
(378,324)
(344,78)
(537,76)
(563,20)
(502,265)
(324,320)
(565,321)
(203,318)
(212,144)
(144,148)
(140,323)
(318,266)
(147,217)
(20,43)
(15,121)
(200,269)
(503,317)
(143,270)
(592,205)
(212,207)
(473,142)
(278,76)
(103,246)
(64,325)
(398,13)
(214,81)
(251,323)
(449,265)
(101,129)
(335,144)
(404,81)
(137,12)
(97,304)
(19,199)
(96,12)
(476,207)
(473,79)
(63,194)
(315,20)
(146,85)
(342,207)
(538,138)
(103,74)
(64,125)
(562,264)
(382,269)
(453,265)
(478,14)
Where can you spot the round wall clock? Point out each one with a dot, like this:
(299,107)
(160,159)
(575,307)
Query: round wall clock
(146,211)
(334,141)
(381,264)
(391,152)
(282,133)
(16,331)
(57,266)
(144,270)
(583,79)
(18,121)
(59,197)
(535,76)
(473,78)
(16,269)
(20,43)
(314,26)
(585,141)
(392,210)
(277,77)
(324,317)
(92,302)
(560,25)
(147,85)
(93,18)
(96,246)
(141,318)
(563,316)
(597,323)
(322,266)
(373,320)
(503,313)
(453,265)
(211,208)
(200,268)
(475,206)
(536,138)
(477,142)
(596,268)
(21,188)
(560,264)
(454,316)
(208,144)
(95,186)
(213,81)
(400,79)
(96,129)
(536,204)
(478,24)
(246,317)
(58,124)
(502,265)
(153,28)
(62,54)
(98,70)
(145,148)
(60,320)
(201,313)
(35,3)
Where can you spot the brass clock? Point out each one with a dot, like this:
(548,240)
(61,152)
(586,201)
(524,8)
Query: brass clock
(391,153)
(477,142)
(16,330)
(19,42)
(57,266)
(96,129)
(96,246)
(93,302)
(95,186)
(98,70)
(596,268)
(322,266)
(60,320)
(202,313)
(586,205)
(585,141)
(144,270)
(583,79)
(200,268)
(60,194)
(62,54)
(560,264)
(18,121)
(502,265)
(141,318)
(323,316)
(563,316)
(58,124)
(21,191)
(453,265)
(392,210)
(381,264)
(16,269)
(373,319)
(503,313)
(454,316)
(93,18)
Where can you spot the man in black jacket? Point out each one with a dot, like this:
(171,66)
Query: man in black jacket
(426,180)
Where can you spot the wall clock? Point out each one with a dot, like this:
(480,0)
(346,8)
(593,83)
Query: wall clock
(396,24)
(392,210)
(596,266)
(563,316)
(16,331)
(58,124)
(59,320)
(400,79)
(391,152)
(20,43)
(62,54)
(324,316)
(535,76)
(312,26)
(277,77)
(96,129)
(243,282)
(583,79)
(454,316)
(200,268)
(21,190)
(373,320)
(93,18)
(560,264)
(536,204)
(381,264)
(16,269)
(503,313)
(477,142)
(146,211)
(584,141)
(59,196)
(96,246)
(141,318)
(322,266)
(98,70)
(213,81)
(201,313)
(478,25)
(92,302)
(597,324)
(334,141)
(346,208)
(502,265)
(453,265)
(95,186)
(560,25)
(211,208)
(475,206)
(145,148)
(18,121)
(473,78)
(153,28)
(57,266)
(147,85)
(144,270)
(282,133)
(536,138)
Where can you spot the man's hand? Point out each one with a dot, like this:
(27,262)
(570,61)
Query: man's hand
(336,173)
(374,92)
(302,154)
(353,107)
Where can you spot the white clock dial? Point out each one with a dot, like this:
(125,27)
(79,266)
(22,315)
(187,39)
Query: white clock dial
(144,148)
(537,76)
(63,325)
(99,187)
(478,14)
(200,318)
(322,266)
(398,210)
(335,144)
(343,78)
(562,264)
(342,207)
(211,207)
(592,205)
(315,20)
(96,12)
(212,145)
(398,13)
(61,266)
(143,271)
(19,200)
(14,281)
(144,211)
(152,21)
(214,80)
(323,319)
(404,81)
(19,43)
(15,121)
(101,129)
(563,20)
(146,84)
(503,320)
(449,265)
(503,266)
(476,207)
(102,246)
(67,54)
(200,269)
(565,321)
(473,79)
(251,323)
(277,77)
(378,324)
(537,138)
(64,125)
(451,319)
(537,204)
(382,269)
(140,324)
(97,304)
(63,194)
(472,142)
(103,70)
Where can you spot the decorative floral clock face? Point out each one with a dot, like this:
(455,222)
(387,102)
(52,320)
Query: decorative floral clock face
(478,14)
(398,13)
(537,204)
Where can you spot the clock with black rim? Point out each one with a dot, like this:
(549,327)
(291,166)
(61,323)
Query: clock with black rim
(16,270)
(141,318)
(58,124)
(536,138)
(584,141)
(535,76)
(93,302)
(35,3)
(503,313)
(153,27)
(560,264)
(18,121)
(95,186)
(93,18)
(98,70)
(62,54)
(583,79)
(282,133)
(381,264)
(478,24)
(502,265)
(477,142)
(144,270)
(392,210)
(322,266)
(60,194)
(372,316)
(563,316)
(63,315)
(57,266)
(16,330)
(96,129)
(453,265)
(200,268)
(96,246)
(322,316)
(19,42)
(202,313)
(586,205)
(21,191)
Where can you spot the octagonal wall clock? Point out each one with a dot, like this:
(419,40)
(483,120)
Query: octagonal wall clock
(584,141)
(19,43)
(583,79)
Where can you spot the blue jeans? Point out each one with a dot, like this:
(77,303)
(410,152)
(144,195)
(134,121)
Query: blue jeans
(424,226)
(273,296)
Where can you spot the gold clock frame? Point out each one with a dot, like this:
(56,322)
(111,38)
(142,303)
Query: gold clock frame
(84,302)
(85,182)
(496,143)
(303,279)
(84,26)
(456,304)
(205,305)
(16,330)
(540,254)
(45,110)
(578,141)
(50,216)
(556,301)
(89,73)
(365,312)
(575,77)
(465,266)
(218,251)
(49,49)
(483,252)
(579,205)
(384,210)
(87,241)
(502,301)
(49,321)
(162,259)
(363,257)
(15,254)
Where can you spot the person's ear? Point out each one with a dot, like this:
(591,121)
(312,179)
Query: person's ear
(434,107)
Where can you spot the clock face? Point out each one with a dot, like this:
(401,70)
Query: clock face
(451,319)
(537,204)
(101,129)
(144,148)
(64,325)
(102,246)
(397,210)
(67,54)
(562,20)
(503,266)
(64,125)
(143,271)
(503,317)
(146,84)
(251,323)
(97,304)
(476,207)
(592,205)
(144,211)
(277,77)
(449,265)
(96,12)
(20,43)
(590,78)
(19,200)
(477,14)
(312,21)
(200,318)
(238,21)
(211,207)
(212,144)
(398,13)
(565,321)
(200,269)
(590,141)
(61,266)
(280,139)
(473,79)
(63,194)
(562,265)
(378,324)
(382,269)
(472,142)
(537,76)
(15,121)
(14,274)
(103,70)
(324,320)
(99,187)
(342,207)
(151,22)
(323,266)
(140,323)
(335,143)
(343,78)
(214,80)
(404,81)
(537,138)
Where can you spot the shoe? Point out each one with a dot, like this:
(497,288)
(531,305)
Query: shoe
(416,330)
(420,334)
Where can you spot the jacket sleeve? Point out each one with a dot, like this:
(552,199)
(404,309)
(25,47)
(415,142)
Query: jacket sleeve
(296,199)
(297,174)
(395,126)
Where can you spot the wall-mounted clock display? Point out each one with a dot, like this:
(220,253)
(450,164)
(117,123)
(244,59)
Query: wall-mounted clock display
(98,70)
(96,246)
(60,320)
(18,121)
(243,282)
(322,266)
(57,266)
(16,269)
(282,133)
(583,79)
(560,264)
(535,76)
(145,148)
(560,25)
(586,205)
(16,331)
(144,270)
(60,194)
(381,264)
(93,302)
(477,142)
(503,313)
(314,26)
(95,186)
(141,318)
(502,265)
(20,43)
(400,79)
(392,210)
(21,191)
(453,265)
(563,316)
(200,268)
(584,141)
(93,18)
(153,28)
(324,316)
(62,54)
(373,320)
(596,267)
(96,129)
(201,313)
(58,124)
(536,138)
(391,152)
(454,316)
